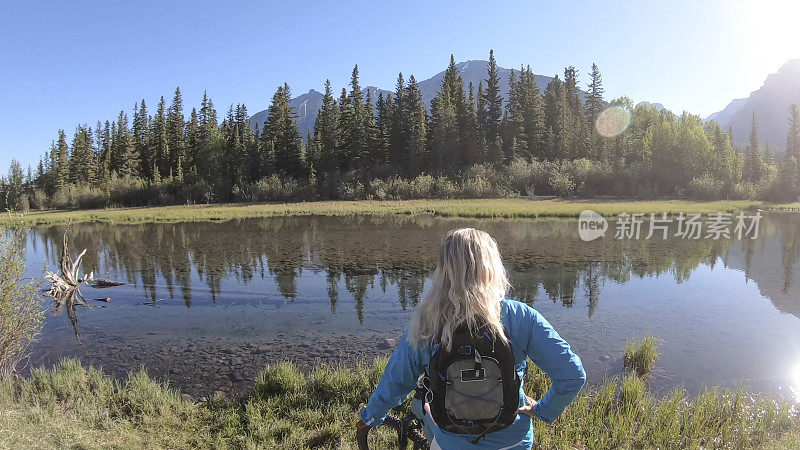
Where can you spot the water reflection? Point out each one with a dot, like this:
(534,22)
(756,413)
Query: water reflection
(226,298)
(359,253)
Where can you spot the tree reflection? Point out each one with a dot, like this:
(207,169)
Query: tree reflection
(545,258)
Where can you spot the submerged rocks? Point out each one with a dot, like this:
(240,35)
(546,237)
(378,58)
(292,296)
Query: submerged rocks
(387,344)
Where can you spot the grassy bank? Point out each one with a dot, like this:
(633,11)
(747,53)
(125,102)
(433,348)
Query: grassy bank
(453,208)
(78,407)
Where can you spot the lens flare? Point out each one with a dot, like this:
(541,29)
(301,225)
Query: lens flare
(612,121)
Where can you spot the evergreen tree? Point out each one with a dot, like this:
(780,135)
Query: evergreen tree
(555,114)
(493,104)
(754,158)
(469,133)
(383,123)
(160,141)
(14,186)
(104,146)
(594,106)
(209,147)
(400,129)
(62,166)
(175,128)
(576,131)
(374,153)
(353,143)
(128,162)
(326,132)
(285,135)
(445,157)
(81,161)
(192,142)
(417,127)
(52,169)
(141,140)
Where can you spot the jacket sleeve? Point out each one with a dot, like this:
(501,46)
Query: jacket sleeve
(398,380)
(553,355)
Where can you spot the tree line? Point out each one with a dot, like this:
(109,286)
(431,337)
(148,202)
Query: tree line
(468,142)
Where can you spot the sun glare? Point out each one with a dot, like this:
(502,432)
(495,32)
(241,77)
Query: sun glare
(794,382)
(769,32)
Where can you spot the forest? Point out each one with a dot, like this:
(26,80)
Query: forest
(468,143)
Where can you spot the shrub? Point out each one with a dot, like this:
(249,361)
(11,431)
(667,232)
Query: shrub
(272,188)
(21,310)
(704,187)
(561,184)
(421,187)
(477,187)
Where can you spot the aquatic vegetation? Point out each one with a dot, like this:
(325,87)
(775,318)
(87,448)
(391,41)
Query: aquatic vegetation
(71,405)
(640,357)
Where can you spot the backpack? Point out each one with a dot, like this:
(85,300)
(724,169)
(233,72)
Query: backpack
(474,386)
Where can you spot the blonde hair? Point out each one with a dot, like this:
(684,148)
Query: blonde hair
(468,285)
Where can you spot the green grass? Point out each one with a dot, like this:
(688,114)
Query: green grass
(505,207)
(72,406)
(640,357)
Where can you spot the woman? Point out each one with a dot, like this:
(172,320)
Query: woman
(468,290)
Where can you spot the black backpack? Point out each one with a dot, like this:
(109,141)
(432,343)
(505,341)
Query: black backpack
(474,386)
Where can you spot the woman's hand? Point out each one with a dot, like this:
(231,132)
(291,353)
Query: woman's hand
(528,408)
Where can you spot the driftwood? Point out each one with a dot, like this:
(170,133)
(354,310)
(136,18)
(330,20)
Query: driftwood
(65,287)
(105,283)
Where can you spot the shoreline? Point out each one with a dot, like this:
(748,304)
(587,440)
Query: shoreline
(473,208)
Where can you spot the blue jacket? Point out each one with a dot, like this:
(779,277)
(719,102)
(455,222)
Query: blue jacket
(531,337)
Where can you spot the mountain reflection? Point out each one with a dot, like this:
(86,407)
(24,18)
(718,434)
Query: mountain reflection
(545,258)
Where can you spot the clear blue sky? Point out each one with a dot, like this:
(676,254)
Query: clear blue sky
(74,62)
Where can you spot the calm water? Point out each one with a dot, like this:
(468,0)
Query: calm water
(208,304)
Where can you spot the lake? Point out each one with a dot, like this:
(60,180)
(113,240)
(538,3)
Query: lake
(207,305)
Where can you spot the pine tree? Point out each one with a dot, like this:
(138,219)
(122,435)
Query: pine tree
(594,106)
(62,167)
(445,157)
(353,144)
(383,123)
(576,131)
(493,105)
(52,169)
(175,129)
(398,139)
(104,145)
(469,133)
(160,141)
(417,130)
(754,159)
(326,131)
(192,143)
(458,99)
(209,141)
(533,131)
(374,151)
(480,121)
(555,116)
(81,161)
(285,136)
(141,140)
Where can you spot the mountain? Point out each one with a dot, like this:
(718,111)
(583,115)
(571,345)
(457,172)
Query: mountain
(771,105)
(307,105)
